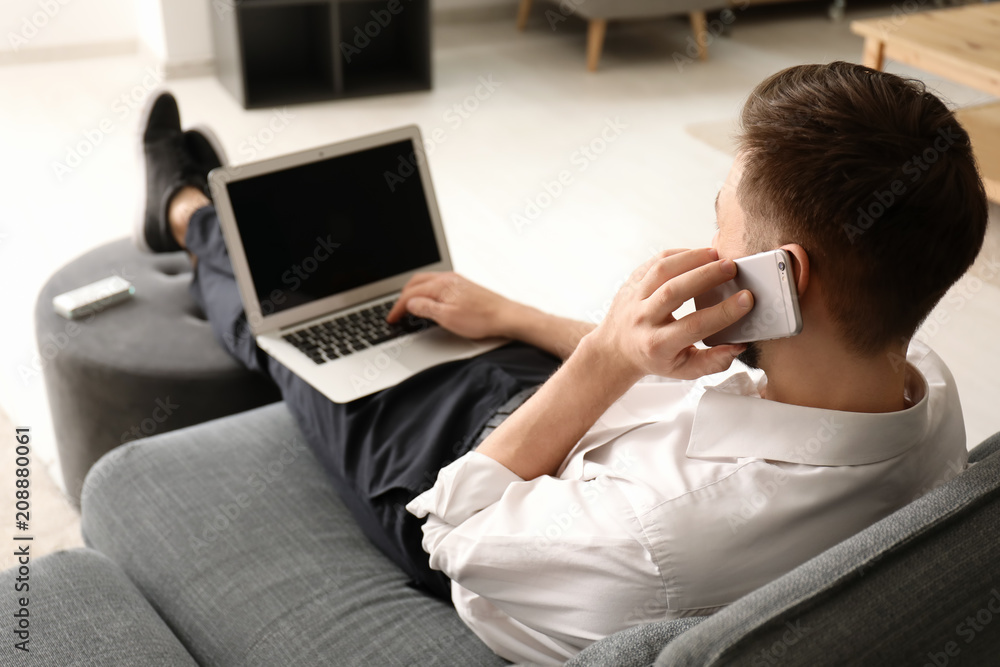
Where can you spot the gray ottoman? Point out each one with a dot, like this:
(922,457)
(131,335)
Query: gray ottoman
(136,369)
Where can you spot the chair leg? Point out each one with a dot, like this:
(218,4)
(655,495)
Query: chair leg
(700,30)
(874,53)
(595,42)
(522,14)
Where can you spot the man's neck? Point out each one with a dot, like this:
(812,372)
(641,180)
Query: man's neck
(836,380)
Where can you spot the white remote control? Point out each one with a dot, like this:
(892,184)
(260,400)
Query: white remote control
(93,298)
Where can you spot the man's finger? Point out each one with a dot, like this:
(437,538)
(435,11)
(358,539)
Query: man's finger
(640,272)
(423,287)
(700,363)
(673,293)
(667,268)
(701,324)
(423,306)
(399,308)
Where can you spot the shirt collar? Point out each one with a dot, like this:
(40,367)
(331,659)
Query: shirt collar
(732,421)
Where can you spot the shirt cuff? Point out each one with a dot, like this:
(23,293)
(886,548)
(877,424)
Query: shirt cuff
(466,486)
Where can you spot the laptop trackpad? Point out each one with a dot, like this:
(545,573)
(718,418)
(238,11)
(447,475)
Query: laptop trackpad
(433,347)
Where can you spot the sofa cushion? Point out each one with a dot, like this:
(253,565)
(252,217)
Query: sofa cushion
(635,9)
(922,586)
(236,536)
(83,610)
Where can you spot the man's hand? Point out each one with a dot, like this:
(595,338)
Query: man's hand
(457,304)
(641,331)
(639,336)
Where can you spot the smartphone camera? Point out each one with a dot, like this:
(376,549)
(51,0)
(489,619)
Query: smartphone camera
(781,266)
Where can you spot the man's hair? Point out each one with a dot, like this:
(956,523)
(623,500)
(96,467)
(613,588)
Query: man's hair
(875,178)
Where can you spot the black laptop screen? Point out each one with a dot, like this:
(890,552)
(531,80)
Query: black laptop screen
(319,229)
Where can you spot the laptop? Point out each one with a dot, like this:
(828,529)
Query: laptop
(322,243)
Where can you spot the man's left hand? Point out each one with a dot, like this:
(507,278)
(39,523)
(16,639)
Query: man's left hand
(641,331)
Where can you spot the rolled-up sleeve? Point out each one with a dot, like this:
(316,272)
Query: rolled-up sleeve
(464,487)
(560,560)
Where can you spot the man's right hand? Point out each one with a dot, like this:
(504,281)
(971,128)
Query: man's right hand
(457,304)
(470,310)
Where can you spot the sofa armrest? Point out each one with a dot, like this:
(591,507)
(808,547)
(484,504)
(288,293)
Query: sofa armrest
(82,609)
(895,593)
(635,647)
(985,449)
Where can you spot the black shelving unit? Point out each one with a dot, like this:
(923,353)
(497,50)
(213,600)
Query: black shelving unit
(277,52)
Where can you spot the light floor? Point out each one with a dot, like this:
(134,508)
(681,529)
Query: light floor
(651,188)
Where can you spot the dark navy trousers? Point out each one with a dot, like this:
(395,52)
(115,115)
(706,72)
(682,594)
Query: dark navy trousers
(382,450)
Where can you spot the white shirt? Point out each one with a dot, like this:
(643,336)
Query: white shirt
(681,499)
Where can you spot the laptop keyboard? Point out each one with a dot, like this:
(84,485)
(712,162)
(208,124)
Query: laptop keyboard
(352,333)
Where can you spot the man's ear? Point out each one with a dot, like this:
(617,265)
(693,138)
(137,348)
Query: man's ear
(800,266)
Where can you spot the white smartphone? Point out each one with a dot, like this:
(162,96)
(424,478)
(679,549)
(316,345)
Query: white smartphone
(775,314)
(93,298)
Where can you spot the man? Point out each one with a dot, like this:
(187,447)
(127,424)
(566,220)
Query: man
(623,491)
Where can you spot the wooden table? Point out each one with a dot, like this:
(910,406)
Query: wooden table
(961,44)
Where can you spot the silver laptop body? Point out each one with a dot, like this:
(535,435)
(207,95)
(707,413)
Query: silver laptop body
(322,235)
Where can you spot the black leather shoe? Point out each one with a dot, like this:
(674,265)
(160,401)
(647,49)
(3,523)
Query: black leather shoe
(169,166)
(206,151)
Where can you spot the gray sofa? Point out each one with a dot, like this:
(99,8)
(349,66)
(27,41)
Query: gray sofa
(224,544)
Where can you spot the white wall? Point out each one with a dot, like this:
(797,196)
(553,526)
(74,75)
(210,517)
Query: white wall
(149,25)
(30,26)
(188,27)
(176,34)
